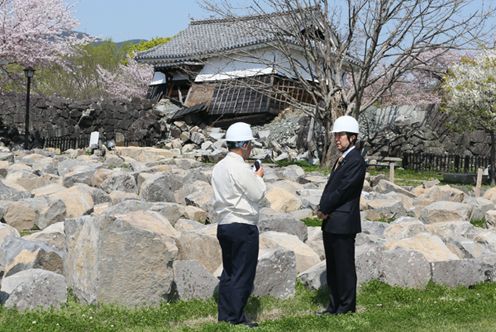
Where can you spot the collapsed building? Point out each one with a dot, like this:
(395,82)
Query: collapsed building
(225,70)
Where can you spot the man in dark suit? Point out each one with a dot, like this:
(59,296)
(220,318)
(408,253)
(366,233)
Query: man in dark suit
(340,211)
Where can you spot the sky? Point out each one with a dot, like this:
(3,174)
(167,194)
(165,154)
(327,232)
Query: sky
(135,19)
(122,20)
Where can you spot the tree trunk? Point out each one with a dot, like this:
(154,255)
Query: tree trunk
(493,160)
(330,153)
(310,141)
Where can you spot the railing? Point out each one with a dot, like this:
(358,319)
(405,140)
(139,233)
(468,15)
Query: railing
(444,163)
(66,143)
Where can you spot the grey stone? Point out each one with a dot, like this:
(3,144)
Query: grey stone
(35,257)
(373,227)
(398,231)
(34,289)
(305,256)
(310,198)
(315,277)
(79,174)
(10,194)
(276,273)
(197,138)
(480,206)
(315,241)
(52,213)
(443,211)
(187,225)
(53,236)
(201,245)
(98,195)
(124,259)
(464,272)
(270,220)
(193,281)
(368,261)
(384,186)
(384,209)
(120,181)
(160,188)
(405,268)
(292,172)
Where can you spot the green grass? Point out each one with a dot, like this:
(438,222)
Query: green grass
(479,223)
(312,222)
(380,308)
(307,167)
(407,177)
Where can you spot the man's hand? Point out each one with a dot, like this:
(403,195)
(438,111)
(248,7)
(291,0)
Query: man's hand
(260,172)
(321,216)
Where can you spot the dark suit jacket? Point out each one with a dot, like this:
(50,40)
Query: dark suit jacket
(341,197)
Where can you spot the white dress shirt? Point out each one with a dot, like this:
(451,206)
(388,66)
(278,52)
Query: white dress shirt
(237,191)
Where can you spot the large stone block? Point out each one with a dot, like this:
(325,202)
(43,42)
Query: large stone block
(464,272)
(276,273)
(305,256)
(193,281)
(160,188)
(282,200)
(431,246)
(384,186)
(315,277)
(201,245)
(271,220)
(442,211)
(80,174)
(405,268)
(315,241)
(53,236)
(77,201)
(123,259)
(401,230)
(120,181)
(34,289)
(368,262)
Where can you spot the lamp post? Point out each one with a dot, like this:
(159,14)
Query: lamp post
(29,72)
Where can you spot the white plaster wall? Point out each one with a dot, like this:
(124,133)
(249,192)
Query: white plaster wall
(257,62)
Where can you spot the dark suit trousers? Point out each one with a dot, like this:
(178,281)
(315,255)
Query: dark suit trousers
(341,273)
(239,244)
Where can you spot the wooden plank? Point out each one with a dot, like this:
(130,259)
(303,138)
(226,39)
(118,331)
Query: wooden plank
(478,184)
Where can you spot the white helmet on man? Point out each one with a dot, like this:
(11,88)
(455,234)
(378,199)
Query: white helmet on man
(346,124)
(239,132)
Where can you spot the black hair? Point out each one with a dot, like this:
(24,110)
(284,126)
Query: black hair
(352,142)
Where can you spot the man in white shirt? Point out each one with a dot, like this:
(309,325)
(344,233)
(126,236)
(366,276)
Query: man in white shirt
(238,191)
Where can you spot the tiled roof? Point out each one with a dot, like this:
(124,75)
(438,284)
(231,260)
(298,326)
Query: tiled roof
(211,37)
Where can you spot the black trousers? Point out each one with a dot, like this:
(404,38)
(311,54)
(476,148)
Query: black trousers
(239,244)
(341,272)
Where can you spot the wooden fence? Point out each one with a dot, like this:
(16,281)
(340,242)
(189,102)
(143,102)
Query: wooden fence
(443,163)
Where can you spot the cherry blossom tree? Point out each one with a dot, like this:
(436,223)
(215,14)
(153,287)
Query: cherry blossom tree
(471,97)
(34,32)
(128,80)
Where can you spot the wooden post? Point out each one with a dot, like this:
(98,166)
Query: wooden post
(391,172)
(478,183)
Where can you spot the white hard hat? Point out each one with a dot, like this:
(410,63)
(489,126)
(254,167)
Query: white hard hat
(346,124)
(239,132)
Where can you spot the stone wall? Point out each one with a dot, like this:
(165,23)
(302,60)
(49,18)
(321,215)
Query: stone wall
(395,130)
(134,121)
(390,131)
